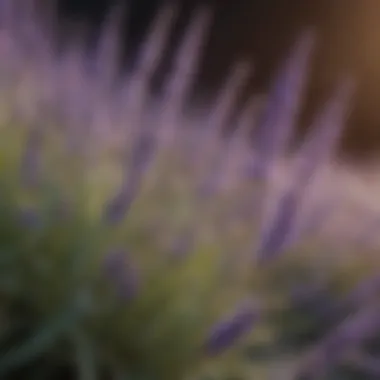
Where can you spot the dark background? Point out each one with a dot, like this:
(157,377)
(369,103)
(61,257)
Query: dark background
(264,31)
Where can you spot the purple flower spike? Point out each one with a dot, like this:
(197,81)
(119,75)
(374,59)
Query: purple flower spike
(279,118)
(142,155)
(185,68)
(226,333)
(122,274)
(134,93)
(353,332)
(282,229)
(217,121)
(108,49)
(227,99)
(324,135)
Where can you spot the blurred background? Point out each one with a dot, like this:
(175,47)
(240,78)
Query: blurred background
(263,31)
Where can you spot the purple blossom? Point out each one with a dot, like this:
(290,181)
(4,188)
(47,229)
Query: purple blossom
(30,31)
(134,93)
(142,154)
(184,72)
(75,96)
(122,274)
(324,135)
(365,292)
(228,332)
(218,119)
(279,118)
(108,47)
(119,206)
(281,229)
(225,103)
(354,331)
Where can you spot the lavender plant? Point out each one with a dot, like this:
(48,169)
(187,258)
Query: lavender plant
(138,243)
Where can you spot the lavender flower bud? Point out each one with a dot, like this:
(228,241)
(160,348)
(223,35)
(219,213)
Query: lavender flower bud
(279,119)
(281,229)
(108,49)
(324,135)
(135,92)
(142,154)
(226,333)
(184,71)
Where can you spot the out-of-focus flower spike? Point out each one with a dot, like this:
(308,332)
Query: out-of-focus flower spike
(239,149)
(135,166)
(118,207)
(119,270)
(109,45)
(30,161)
(30,31)
(365,292)
(226,333)
(106,71)
(352,333)
(137,86)
(153,47)
(218,119)
(183,73)
(11,55)
(285,225)
(144,137)
(225,103)
(284,104)
(248,119)
(324,135)
(280,228)
(72,84)
(142,153)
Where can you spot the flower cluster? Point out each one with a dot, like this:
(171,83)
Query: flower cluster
(129,230)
